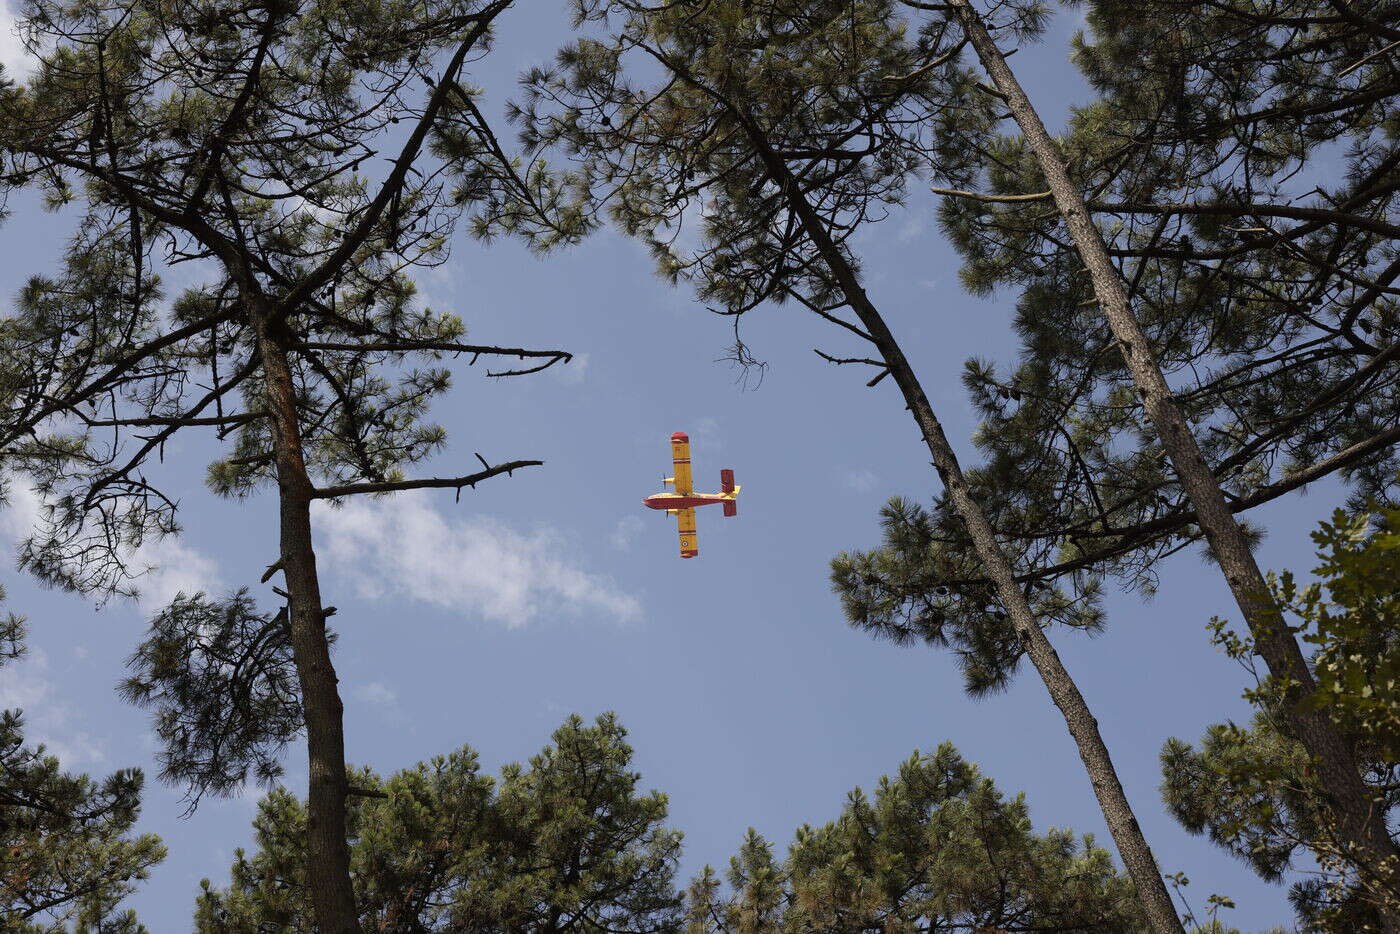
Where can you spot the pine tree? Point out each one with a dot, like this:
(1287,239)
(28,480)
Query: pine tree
(1230,543)
(66,851)
(784,129)
(1279,353)
(937,848)
(568,843)
(244,142)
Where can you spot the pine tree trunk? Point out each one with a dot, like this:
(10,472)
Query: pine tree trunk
(1357,816)
(327,852)
(1083,727)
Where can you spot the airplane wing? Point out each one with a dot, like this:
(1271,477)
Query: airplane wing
(680,456)
(685,525)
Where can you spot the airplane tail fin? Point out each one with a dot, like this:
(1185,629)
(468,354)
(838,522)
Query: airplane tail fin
(726,485)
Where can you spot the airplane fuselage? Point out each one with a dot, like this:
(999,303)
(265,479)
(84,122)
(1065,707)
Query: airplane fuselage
(679,501)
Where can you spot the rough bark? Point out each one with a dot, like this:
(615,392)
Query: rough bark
(1357,816)
(1083,727)
(327,852)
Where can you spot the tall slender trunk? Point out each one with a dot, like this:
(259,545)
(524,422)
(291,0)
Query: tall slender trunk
(1357,814)
(327,852)
(1083,727)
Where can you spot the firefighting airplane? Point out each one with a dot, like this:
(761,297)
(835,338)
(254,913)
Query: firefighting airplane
(682,503)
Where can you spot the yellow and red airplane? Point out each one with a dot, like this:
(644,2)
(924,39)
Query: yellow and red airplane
(683,501)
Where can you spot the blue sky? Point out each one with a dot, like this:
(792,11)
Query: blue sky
(749,700)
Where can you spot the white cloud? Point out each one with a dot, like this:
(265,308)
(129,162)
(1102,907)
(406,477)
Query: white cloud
(17,61)
(914,226)
(400,547)
(324,216)
(21,511)
(628,527)
(174,566)
(375,693)
(705,432)
(439,287)
(573,372)
(26,685)
(862,480)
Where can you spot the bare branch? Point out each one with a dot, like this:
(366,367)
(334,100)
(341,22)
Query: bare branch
(977,196)
(840,360)
(391,486)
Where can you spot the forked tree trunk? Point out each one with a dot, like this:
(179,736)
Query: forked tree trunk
(327,852)
(1358,817)
(1083,727)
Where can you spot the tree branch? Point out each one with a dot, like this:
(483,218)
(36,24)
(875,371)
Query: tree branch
(391,486)
(978,196)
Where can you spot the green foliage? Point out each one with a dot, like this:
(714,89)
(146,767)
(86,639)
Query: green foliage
(565,844)
(11,637)
(1200,156)
(936,849)
(1254,790)
(848,94)
(220,680)
(918,588)
(1356,627)
(1242,786)
(66,852)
